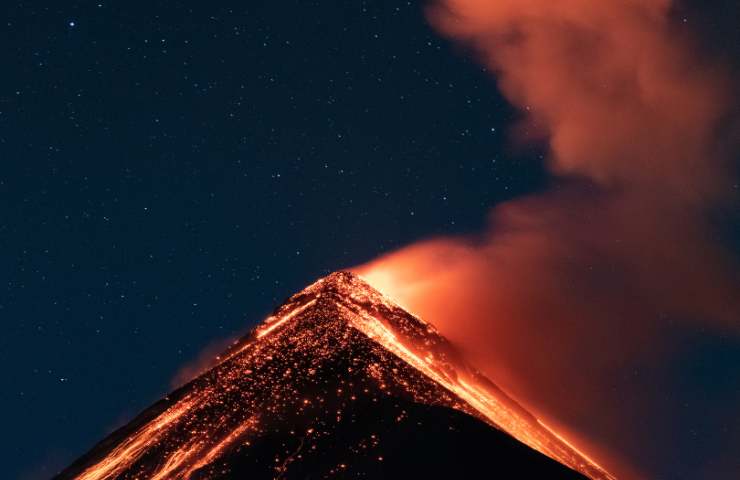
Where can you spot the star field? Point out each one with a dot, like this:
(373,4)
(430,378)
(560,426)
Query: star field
(173,171)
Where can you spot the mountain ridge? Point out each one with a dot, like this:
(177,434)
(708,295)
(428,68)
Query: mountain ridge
(301,374)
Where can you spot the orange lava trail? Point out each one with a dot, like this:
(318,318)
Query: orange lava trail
(218,449)
(484,402)
(129,451)
(176,460)
(272,323)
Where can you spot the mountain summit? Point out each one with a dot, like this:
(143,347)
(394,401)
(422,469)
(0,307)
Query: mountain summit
(339,381)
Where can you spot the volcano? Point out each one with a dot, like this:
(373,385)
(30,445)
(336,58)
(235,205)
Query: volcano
(339,381)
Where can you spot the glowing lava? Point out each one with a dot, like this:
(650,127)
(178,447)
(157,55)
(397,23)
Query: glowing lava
(297,379)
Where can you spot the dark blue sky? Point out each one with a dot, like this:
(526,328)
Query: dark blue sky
(171,170)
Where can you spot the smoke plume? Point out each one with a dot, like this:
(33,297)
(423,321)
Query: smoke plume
(578,299)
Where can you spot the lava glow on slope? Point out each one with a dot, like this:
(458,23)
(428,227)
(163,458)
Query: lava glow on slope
(336,343)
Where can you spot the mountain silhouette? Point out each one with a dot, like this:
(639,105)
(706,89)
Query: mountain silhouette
(338,382)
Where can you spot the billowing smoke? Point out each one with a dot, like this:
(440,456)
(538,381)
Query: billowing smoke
(578,300)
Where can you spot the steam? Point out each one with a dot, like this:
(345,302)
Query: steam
(571,298)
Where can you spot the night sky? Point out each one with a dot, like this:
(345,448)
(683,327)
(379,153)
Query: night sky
(171,171)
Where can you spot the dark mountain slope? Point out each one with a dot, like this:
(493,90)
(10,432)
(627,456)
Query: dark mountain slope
(338,382)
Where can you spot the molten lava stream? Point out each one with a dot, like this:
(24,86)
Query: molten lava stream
(124,455)
(530,431)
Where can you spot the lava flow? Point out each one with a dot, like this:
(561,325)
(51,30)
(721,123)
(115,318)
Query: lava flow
(340,381)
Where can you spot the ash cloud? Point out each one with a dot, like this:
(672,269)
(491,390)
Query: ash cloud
(578,299)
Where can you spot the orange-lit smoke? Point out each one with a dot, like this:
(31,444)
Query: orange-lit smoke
(571,291)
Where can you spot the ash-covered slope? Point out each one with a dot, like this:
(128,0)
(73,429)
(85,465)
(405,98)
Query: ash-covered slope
(340,381)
